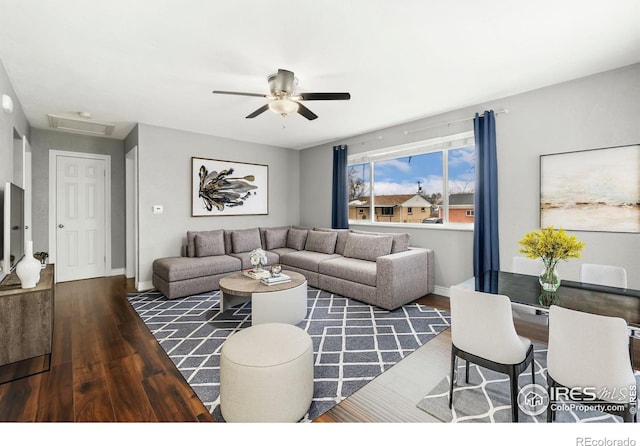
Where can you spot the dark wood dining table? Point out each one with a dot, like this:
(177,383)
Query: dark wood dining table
(590,298)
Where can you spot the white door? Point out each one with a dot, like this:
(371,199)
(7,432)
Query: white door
(80,215)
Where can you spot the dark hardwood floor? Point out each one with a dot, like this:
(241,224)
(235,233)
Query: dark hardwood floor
(107,366)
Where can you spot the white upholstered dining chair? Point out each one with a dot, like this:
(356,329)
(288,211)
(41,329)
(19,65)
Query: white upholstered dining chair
(482,333)
(607,275)
(590,351)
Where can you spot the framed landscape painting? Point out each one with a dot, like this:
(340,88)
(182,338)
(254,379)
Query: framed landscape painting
(228,188)
(591,190)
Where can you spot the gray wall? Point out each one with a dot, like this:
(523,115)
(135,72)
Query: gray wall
(131,139)
(42,141)
(8,122)
(592,112)
(164,166)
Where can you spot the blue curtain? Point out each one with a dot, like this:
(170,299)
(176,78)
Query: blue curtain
(339,202)
(486,255)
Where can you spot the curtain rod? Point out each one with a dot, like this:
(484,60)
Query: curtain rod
(406,132)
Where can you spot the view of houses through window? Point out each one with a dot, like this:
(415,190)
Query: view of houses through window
(420,184)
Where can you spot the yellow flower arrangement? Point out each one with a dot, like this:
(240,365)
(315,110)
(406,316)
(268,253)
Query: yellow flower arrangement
(551,245)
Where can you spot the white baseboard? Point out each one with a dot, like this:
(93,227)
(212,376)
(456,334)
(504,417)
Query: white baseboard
(441,290)
(117,272)
(144,286)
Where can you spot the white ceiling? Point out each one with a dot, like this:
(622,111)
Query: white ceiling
(157,61)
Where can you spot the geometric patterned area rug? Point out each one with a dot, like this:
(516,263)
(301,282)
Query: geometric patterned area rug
(353,342)
(487,398)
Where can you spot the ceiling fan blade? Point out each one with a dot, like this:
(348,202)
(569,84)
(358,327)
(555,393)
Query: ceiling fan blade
(304,111)
(324,96)
(240,94)
(259,111)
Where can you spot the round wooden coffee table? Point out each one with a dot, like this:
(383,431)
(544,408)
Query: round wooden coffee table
(283,302)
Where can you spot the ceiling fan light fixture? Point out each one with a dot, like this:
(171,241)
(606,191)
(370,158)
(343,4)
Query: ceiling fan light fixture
(283,100)
(283,106)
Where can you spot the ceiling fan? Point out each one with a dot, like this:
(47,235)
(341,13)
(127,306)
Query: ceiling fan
(284,100)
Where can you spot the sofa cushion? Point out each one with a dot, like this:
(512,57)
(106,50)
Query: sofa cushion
(191,238)
(341,240)
(354,270)
(296,238)
(282,251)
(245,240)
(263,233)
(400,239)
(306,260)
(209,244)
(183,268)
(367,247)
(275,238)
(320,241)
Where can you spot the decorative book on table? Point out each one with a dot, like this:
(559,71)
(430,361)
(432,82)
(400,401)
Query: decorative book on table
(262,274)
(280,278)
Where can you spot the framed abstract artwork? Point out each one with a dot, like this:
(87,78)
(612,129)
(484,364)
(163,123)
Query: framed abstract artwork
(228,188)
(591,190)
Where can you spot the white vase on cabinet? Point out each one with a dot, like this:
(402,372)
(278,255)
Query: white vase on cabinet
(28,269)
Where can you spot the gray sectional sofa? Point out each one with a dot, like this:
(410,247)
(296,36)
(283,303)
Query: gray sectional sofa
(380,269)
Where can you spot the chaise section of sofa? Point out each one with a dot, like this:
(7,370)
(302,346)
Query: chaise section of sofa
(184,276)
(209,256)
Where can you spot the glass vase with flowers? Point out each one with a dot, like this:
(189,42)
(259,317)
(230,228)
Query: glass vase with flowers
(551,246)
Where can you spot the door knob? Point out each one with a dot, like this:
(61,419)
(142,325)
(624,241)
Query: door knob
(61,226)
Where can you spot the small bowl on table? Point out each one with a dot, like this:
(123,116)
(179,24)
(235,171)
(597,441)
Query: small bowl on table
(276,269)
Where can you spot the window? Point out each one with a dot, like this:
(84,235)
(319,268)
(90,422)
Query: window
(358,190)
(437,176)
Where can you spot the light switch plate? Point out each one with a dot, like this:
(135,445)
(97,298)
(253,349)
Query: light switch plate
(157,209)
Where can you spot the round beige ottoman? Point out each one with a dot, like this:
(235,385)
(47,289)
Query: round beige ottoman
(266,374)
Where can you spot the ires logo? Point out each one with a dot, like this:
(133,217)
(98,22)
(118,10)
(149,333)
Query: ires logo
(592,394)
(533,399)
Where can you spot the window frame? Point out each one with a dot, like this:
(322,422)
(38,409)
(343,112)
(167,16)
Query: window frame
(440,144)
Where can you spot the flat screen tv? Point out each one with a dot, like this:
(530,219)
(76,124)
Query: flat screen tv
(12,228)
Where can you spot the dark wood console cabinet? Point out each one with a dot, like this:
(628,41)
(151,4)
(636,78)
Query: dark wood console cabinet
(26,325)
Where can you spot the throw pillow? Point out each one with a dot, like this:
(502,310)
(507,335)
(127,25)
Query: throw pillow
(191,237)
(245,240)
(275,238)
(400,239)
(296,238)
(209,244)
(320,241)
(340,241)
(367,247)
